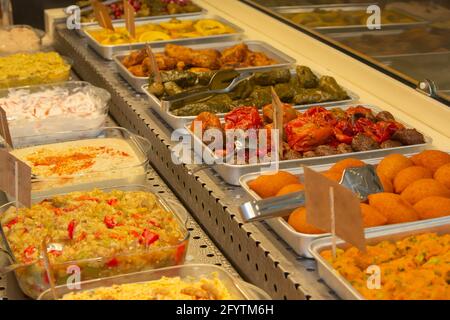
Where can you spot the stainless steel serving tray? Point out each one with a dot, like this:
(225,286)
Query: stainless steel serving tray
(231,173)
(378,33)
(107,51)
(298,241)
(348,7)
(283,60)
(337,282)
(148,18)
(177,122)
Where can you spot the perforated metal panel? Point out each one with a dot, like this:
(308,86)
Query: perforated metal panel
(256,252)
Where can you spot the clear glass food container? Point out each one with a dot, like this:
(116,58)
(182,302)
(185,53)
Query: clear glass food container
(20,45)
(239,289)
(33,278)
(21,72)
(129,171)
(32,119)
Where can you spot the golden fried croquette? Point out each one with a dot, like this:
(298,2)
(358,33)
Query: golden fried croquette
(297,220)
(268,185)
(408,175)
(332,175)
(422,189)
(393,207)
(387,184)
(340,166)
(443,175)
(393,164)
(432,159)
(371,217)
(291,188)
(433,207)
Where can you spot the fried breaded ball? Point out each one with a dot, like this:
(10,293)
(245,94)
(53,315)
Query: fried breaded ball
(422,189)
(297,220)
(393,207)
(393,164)
(335,176)
(371,216)
(433,207)
(387,184)
(291,188)
(340,166)
(268,185)
(432,159)
(443,175)
(408,175)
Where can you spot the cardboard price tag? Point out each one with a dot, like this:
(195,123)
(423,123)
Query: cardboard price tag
(15,178)
(102,15)
(332,207)
(4,128)
(129,18)
(278,121)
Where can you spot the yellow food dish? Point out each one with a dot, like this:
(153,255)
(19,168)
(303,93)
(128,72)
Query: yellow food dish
(170,30)
(414,268)
(32,68)
(163,289)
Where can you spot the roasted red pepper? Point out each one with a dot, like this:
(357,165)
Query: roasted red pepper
(110,222)
(148,237)
(71,228)
(343,132)
(244,118)
(305,137)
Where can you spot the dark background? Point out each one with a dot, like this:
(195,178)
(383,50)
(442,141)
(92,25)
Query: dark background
(31,12)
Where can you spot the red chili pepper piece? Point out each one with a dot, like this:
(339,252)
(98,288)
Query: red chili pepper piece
(110,222)
(12,222)
(112,202)
(155,223)
(71,228)
(56,253)
(148,237)
(28,253)
(113,263)
(179,254)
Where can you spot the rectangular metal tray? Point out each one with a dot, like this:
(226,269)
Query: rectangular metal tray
(348,7)
(298,241)
(148,18)
(177,122)
(378,33)
(232,173)
(107,51)
(283,60)
(337,282)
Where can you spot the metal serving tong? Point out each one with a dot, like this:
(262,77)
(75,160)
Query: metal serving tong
(362,181)
(223,81)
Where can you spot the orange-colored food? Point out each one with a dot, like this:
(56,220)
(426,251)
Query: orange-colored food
(408,175)
(387,184)
(268,185)
(393,207)
(340,166)
(297,220)
(372,217)
(392,165)
(290,188)
(415,267)
(443,175)
(422,189)
(433,207)
(432,159)
(332,175)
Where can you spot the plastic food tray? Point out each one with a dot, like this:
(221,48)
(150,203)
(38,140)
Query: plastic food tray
(25,130)
(31,278)
(192,272)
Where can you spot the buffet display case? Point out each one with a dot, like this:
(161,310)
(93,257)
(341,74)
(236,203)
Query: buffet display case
(254,251)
